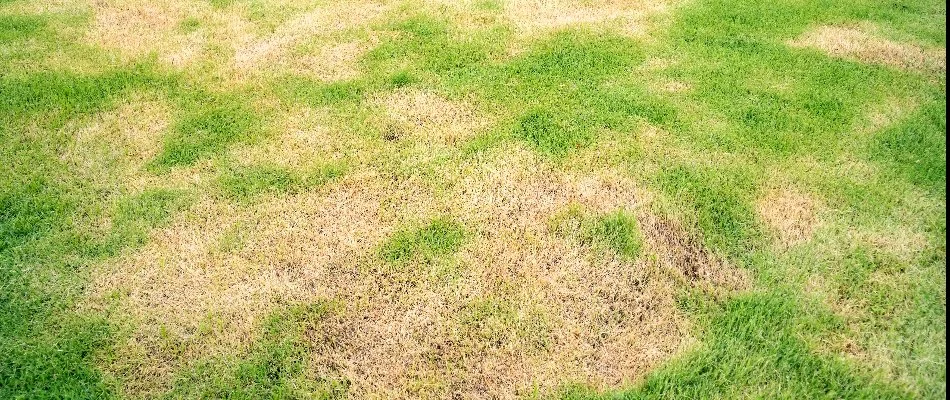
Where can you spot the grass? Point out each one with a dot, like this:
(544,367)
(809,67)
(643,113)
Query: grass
(714,116)
(438,238)
(244,183)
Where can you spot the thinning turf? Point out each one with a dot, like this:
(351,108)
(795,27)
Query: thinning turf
(857,311)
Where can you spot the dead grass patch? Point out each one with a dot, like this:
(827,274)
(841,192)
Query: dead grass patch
(432,116)
(333,62)
(791,215)
(236,264)
(304,135)
(138,28)
(327,19)
(518,308)
(861,43)
(119,142)
(682,252)
(540,16)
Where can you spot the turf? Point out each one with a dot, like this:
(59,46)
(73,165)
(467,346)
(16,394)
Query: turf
(591,164)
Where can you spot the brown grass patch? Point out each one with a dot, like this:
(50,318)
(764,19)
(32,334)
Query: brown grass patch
(139,28)
(540,16)
(432,116)
(304,135)
(236,264)
(117,143)
(792,215)
(863,44)
(327,19)
(683,253)
(333,62)
(518,308)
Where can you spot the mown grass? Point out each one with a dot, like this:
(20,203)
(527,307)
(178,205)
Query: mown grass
(755,110)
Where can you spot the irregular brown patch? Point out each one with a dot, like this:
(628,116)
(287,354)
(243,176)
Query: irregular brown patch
(539,16)
(327,19)
(862,44)
(305,135)
(118,143)
(433,116)
(236,264)
(518,308)
(138,28)
(333,62)
(683,253)
(791,215)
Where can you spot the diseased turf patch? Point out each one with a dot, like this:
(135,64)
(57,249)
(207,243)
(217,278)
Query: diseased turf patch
(275,366)
(857,43)
(753,343)
(631,17)
(325,19)
(790,215)
(432,116)
(437,239)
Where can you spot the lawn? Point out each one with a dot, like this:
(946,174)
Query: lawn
(374,199)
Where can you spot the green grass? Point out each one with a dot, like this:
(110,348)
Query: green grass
(245,182)
(619,231)
(206,132)
(274,366)
(439,238)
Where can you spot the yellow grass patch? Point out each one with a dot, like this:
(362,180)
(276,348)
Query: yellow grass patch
(236,264)
(302,136)
(517,308)
(432,116)
(333,62)
(791,215)
(327,19)
(125,137)
(863,44)
(541,16)
(138,28)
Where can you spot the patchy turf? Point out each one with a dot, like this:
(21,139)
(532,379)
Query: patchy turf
(472,199)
